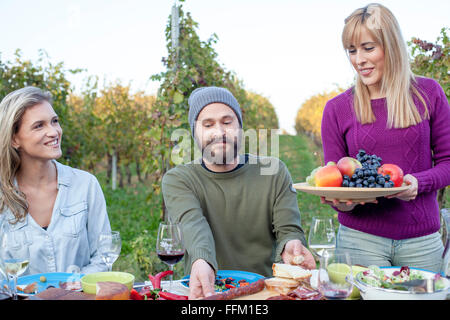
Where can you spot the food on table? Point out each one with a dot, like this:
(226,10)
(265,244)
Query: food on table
(376,277)
(292,283)
(70,285)
(233,293)
(348,165)
(289,271)
(394,172)
(30,288)
(109,290)
(328,176)
(281,285)
(155,292)
(305,293)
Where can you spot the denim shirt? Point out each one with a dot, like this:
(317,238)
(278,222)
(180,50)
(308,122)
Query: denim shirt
(70,241)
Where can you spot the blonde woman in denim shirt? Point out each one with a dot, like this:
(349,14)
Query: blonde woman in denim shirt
(56,210)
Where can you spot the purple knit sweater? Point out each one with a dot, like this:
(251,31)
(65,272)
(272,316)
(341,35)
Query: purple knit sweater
(422,150)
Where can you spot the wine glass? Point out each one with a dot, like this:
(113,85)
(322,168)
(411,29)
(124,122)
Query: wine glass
(15,257)
(109,246)
(4,288)
(169,245)
(335,277)
(321,236)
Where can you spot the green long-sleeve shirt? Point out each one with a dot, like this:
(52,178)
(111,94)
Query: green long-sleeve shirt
(238,220)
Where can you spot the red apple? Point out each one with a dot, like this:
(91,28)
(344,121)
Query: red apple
(394,171)
(348,165)
(328,176)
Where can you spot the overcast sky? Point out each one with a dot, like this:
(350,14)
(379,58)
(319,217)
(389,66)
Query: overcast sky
(286,50)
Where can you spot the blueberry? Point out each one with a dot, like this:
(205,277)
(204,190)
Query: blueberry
(345,183)
(360,173)
(371,179)
(379,186)
(381,180)
(359,185)
(351,184)
(372,185)
(346,177)
(367,173)
(365,183)
(387,177)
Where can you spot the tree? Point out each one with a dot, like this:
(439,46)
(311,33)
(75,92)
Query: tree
(309,116)
(433,60)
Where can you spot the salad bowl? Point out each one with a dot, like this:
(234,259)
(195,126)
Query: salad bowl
(379,283)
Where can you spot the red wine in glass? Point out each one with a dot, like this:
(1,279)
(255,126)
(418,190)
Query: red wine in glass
(169,245)
(171,257)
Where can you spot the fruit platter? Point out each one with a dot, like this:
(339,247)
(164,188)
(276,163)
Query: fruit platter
(360,179)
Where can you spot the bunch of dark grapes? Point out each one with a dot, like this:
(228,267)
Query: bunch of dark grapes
(367,176)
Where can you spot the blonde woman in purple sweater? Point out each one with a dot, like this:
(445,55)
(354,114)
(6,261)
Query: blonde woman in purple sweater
(405,120)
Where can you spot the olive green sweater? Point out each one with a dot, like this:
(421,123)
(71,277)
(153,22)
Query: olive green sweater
(238,220)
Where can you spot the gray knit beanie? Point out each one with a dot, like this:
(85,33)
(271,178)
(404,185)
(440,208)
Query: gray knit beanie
(201,97)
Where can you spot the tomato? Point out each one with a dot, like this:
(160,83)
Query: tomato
(395,173)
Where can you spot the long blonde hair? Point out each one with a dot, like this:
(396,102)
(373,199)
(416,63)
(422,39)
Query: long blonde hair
(398,82)
(12,108)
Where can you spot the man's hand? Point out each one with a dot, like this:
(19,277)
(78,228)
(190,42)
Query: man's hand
(295,248)
(202,279)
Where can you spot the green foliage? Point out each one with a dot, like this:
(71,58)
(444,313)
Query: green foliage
(432,59)
(260,113)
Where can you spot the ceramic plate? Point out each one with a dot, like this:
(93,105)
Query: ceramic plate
(235,274)
(52,279)
(344,194)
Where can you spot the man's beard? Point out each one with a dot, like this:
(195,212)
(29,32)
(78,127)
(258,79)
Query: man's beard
(225,155)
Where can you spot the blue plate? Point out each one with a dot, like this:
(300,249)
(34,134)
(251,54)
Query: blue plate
(52,279)
(235,274)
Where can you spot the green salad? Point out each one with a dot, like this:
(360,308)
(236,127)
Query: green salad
(376,277)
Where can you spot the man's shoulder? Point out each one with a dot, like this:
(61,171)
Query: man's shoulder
(181,171)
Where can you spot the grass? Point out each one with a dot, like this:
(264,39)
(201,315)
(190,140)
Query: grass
(137,218)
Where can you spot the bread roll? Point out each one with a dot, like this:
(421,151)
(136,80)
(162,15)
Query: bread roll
(290,271)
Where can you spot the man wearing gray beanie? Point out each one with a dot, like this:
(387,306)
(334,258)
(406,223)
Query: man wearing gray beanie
(201,97)
(232,216)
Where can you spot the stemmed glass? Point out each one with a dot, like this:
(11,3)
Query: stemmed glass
(169,245)
(109,246)
(15,257)
(321,236)
(335,277)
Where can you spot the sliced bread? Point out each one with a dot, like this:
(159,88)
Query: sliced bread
(290,271)
(281,285)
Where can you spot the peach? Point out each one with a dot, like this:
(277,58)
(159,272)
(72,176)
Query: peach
(328,176)
(348,165)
